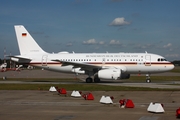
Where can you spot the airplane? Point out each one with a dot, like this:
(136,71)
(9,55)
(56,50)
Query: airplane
(3,67)
(111,66)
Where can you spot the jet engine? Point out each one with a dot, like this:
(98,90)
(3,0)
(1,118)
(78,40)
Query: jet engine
(109,74)
(78,70)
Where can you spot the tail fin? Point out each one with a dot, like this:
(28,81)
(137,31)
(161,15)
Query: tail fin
(27,45)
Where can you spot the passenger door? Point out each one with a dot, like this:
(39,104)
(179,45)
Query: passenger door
(44,60)
(147,60)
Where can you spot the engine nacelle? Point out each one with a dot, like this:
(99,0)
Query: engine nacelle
(109,74)
(78,70)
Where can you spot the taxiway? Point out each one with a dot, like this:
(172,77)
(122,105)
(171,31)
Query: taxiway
(45,105)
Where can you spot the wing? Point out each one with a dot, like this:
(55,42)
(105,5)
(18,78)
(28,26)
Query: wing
(83,66)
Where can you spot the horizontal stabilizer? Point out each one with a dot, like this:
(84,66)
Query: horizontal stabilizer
(20,59)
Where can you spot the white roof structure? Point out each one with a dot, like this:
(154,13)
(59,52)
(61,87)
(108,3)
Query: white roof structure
(52,89)
(106,100)
(75,94)
(155,107)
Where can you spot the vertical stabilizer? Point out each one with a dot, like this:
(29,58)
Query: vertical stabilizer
(27,45)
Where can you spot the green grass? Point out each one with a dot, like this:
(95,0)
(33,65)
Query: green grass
(80,87)
(132,78)
(154,78)
(87,87)
(42,79)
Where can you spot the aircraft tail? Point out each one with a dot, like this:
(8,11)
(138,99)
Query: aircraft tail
(27,45)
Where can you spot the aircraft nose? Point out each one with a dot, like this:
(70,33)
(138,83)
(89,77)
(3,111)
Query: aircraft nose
(171,66)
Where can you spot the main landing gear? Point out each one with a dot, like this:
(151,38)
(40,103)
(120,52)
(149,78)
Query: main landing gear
(96,79)
(148,80)
(90,80)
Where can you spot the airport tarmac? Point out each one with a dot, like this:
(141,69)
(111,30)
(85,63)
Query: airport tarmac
(49,74)
(45,105)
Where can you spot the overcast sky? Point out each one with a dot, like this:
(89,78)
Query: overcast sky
(94,25)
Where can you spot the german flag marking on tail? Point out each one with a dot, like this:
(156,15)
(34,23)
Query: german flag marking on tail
(24,34)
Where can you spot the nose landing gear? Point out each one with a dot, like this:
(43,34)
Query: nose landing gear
(148,80)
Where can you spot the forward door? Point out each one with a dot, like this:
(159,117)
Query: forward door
(147,60)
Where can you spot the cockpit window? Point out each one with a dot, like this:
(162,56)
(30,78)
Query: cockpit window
(161,59)
(164,59)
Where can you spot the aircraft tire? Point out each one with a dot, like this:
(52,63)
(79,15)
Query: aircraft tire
(96,80)
(148,80)
(89,80)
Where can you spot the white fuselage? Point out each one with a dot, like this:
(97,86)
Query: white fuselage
(130,62)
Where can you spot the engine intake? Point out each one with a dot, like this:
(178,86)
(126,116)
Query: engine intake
(112,74)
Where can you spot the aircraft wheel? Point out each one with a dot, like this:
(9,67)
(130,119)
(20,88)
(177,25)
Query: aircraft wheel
(89,80)
(148,80)
(96,80)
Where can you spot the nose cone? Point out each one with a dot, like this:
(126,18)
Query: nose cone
(171,66)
